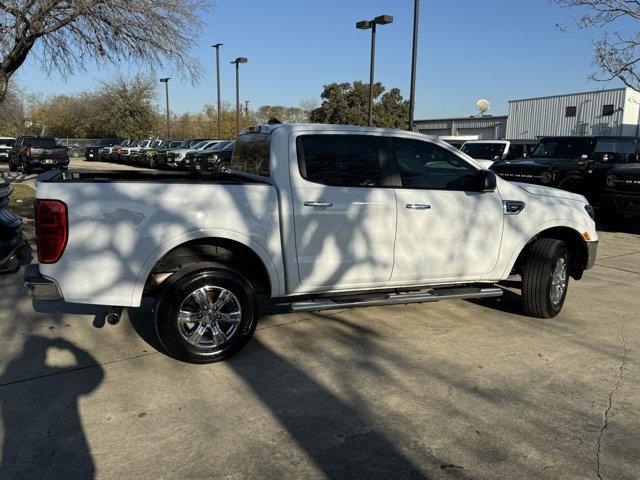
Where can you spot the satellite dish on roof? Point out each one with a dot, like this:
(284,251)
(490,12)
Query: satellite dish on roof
(483,106)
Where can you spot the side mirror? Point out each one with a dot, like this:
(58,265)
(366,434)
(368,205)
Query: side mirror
(488,182)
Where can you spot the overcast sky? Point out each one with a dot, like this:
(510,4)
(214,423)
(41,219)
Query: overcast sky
(469,49)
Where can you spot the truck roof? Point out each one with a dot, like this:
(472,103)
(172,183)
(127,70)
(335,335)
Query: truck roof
(268,128)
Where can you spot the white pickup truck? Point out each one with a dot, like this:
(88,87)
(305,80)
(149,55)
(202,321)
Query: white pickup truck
(311,216)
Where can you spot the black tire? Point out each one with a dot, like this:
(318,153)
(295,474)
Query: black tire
(541,260)
(178,289)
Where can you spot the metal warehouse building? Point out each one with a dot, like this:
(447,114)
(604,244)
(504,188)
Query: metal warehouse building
(458,130)
(602,112)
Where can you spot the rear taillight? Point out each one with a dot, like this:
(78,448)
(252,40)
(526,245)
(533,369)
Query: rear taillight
(51,229)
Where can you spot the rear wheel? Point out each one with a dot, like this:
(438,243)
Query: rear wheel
(545,278)
(206,313)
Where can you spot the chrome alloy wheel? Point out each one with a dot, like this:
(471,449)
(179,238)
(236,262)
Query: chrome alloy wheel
(209,317)
(558,281)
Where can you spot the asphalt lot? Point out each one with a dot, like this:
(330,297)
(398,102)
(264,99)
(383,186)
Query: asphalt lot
(453,389)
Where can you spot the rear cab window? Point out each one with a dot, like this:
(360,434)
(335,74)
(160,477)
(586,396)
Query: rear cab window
(40,142)
(251,154)
(339,160)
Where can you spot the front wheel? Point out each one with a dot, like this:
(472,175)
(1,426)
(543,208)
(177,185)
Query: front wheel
(206,313)
(545,278)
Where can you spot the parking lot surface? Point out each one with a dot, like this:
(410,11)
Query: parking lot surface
(453,389)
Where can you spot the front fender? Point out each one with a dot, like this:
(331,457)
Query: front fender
(515,253)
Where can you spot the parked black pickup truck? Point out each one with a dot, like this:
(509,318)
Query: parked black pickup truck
(622,191)
(92,152)
(576,164)
(14,249)
(41,153)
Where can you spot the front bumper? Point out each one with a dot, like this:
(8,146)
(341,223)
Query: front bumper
(592,253)
(39,287)
(623,203)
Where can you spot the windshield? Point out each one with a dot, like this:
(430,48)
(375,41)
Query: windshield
(108,142)
(484,151)
(220,145)
(155,143)
(564,148)
(199,145)
(7,142)
(229,146)
(143,143)
(175,144)
(40,142)
(185,144)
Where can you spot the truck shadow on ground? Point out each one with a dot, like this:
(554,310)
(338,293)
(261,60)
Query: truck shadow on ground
(43,432)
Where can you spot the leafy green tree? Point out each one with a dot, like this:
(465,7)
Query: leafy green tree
(348,104)
(125,108)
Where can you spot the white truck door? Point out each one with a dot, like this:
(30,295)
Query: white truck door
(344,219)
(447,228)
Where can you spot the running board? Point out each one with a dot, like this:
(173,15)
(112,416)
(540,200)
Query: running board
(395,299)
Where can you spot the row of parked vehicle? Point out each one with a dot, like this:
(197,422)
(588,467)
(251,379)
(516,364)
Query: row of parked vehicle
(605,169)
(197,154)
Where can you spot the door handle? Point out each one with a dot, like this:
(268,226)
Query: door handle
(318,204)
(418,206)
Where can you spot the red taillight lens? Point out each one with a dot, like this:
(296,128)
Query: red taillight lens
(51,229)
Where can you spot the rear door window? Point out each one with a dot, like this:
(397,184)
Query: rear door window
(40,142)
(339,160)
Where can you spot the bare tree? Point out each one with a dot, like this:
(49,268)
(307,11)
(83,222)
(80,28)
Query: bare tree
(63,34)
(616,55)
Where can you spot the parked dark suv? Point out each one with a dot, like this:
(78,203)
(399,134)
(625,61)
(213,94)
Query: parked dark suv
(576,164)
(621,193)
(92,152)
(37,153)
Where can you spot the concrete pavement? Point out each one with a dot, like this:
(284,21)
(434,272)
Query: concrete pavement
(447,390)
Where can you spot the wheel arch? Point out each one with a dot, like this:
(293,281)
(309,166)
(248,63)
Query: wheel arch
(576,244)
(229,248)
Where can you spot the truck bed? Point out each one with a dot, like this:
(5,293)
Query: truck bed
(86,176)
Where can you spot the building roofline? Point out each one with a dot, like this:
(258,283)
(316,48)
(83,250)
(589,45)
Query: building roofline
(570,94)
(487,117)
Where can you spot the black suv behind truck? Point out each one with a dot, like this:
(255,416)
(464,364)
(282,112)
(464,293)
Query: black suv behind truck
(576,164)
(622,191)
(37,153)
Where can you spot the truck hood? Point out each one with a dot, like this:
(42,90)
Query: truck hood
(550,192)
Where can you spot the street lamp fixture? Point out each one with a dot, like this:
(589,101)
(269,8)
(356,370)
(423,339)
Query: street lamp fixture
(166,92)
(238,61)
(371,25)
(217,47)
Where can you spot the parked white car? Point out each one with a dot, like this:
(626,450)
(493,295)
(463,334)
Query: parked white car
(488,152)
(312,216)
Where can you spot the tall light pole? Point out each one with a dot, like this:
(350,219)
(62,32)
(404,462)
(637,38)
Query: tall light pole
(238,61)
(217,47)
(246,108)
(414,58)
(366,25)
(166,92)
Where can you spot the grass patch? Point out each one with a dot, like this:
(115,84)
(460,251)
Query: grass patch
(21,200)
